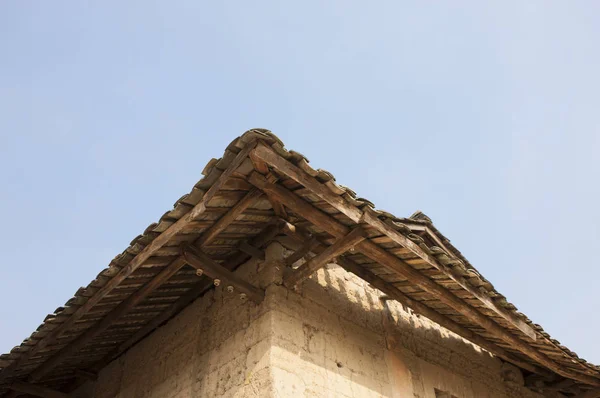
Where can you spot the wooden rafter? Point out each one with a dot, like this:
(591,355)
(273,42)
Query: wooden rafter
(341,245)
(35,390)
(208,236)
(269,156)
(135,263)
(306,248)
(248,200)
(193,293)
(108,320)
(393,263)
(416,306)
(214,270)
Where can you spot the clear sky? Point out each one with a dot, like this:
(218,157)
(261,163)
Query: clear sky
(484,115)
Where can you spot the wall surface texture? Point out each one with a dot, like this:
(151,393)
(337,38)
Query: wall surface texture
(331,338)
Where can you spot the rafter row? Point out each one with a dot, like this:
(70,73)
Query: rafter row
(390,261)
(350,266)
(268,156)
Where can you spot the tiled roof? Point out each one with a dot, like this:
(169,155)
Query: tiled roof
(430,254)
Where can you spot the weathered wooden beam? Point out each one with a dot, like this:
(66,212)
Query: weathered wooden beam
(393,263)
(214,270)
(248,200)
(251,250)
(306,248)
(259,165)
(416,306)
(135,263)
(270,157)
(231,264)
(37,391)
(278,207)
(207,237)
(340,246)
(139,295)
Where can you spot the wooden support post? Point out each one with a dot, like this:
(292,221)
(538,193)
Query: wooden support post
(210,268)
(390,261)
(134,264)
(343,244)
(37,391)
(270,157)
(416,306)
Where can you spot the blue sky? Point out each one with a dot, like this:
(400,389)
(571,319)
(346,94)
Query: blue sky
(484,116)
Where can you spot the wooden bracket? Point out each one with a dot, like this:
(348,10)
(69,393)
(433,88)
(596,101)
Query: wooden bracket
(301,252)
(234,261)
(212,269)
(341,245)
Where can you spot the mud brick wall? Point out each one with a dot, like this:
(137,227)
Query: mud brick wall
(333,337)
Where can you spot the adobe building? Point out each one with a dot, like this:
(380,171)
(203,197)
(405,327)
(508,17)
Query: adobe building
(270,280)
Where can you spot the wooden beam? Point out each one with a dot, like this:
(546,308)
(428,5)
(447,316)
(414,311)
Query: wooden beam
(139,295)
(134,264)
(208,236)
(251,250)
(248,200)
(270,157)
(195,292)
(37,391)
(341,245)
(278,208)
(201,261)
(417,307)
(259,165)
(306,248)
(393,263)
